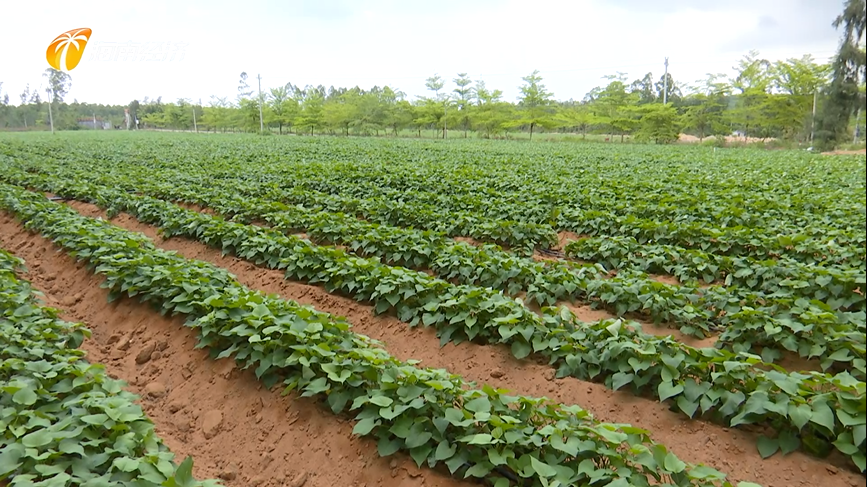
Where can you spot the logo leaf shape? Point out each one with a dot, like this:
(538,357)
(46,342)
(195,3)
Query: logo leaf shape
(65,50)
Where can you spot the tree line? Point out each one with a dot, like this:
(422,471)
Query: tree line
(796,100)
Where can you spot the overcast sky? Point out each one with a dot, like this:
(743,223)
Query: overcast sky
(401,42)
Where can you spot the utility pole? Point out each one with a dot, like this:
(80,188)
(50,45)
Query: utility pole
(445,117)
(813,119)
(94,121)
(261,101)
(195,125)
(665,84)
(857,120)
(50,114)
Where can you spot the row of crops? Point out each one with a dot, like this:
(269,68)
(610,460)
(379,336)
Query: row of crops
(435,416)
(768,253)
(65,422)
(722,203)
(800,326)
(806,309)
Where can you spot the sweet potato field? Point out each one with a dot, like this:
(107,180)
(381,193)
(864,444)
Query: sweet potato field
(337,311)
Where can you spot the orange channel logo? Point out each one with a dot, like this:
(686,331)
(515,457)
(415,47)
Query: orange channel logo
(66,50)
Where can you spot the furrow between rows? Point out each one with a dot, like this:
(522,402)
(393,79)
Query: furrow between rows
(496,366)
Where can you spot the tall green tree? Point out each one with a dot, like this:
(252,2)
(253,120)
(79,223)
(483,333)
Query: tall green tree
(28,111)
(59,84)
(848,74)
(435,83)
(752,73)
(247,117)
(786,116)
(659,123)
(704,111)
(535,103)
(753,79)
(703,114)
(799,81)
(429,113)
(312,105)
(372,114)
(748,114)
(615,106)
(283,107)
(216,116)
(576,116)
(645,89)
(339,111)
(715,84)
(177,116)
(800,76)
(463,98)
(180,114)
(761,98)
(491,115)
(392,113)
(402,115)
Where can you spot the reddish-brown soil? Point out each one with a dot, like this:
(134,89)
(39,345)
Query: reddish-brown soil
(588,314)
(846,152)
(540,257)
(195,207)
(222,416)
(585,313)
(564,237)
(469,240)
(791,361)
(691,139)
(730,450)
(704,285)
(665,279)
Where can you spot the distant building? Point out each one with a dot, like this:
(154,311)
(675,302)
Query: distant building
(90,123)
